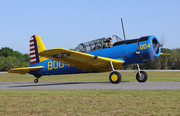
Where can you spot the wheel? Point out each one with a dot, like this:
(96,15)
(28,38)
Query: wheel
(143,77)
(35,80)
(115,77)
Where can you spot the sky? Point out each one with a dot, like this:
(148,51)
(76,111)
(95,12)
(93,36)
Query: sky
(66,23)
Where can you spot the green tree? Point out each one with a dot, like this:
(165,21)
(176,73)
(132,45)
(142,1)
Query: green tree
(26,58)
(2,63)
(12,59)
(6,51)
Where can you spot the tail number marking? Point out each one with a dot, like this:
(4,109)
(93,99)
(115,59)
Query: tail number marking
(55,65)
(144,46)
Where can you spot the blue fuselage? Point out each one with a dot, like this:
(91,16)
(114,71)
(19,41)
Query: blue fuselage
(123,50)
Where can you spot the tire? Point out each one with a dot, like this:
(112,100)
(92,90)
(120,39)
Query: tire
(115,77)
(143,78)
(35,80)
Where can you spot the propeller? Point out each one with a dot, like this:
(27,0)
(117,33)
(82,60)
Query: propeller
(151,54)
(155,48)
(162,39)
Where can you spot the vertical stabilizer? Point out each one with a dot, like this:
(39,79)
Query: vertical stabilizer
(36,46)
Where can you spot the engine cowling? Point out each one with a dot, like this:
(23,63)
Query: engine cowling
(149,47)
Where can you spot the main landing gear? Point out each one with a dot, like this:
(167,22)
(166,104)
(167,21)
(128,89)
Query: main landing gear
(37,76)
(115,77)
(141,76)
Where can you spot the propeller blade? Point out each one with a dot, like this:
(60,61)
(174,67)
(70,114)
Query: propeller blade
(151,55)
(162,39)
(155,48)
(151,52)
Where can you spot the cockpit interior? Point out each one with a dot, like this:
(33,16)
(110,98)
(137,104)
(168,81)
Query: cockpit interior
(96,44)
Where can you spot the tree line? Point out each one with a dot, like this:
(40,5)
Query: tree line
(10,59)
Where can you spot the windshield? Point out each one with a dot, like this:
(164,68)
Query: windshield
(116,38)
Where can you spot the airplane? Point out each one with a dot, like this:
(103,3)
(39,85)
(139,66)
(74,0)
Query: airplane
(92,57)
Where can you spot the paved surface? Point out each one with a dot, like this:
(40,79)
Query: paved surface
(90,85)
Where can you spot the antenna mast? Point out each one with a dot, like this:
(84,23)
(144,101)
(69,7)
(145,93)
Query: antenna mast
(123,30)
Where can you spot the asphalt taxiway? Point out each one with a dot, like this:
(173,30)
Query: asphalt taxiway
(89,85)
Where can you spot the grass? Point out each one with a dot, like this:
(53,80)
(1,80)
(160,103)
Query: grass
(90,102)
(91,77)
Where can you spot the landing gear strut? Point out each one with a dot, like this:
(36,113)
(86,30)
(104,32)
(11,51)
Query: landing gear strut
(114,77)
(141,76)
(37,76)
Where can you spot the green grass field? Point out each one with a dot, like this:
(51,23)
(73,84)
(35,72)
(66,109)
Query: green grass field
(90,101)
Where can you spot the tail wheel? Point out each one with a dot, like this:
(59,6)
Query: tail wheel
(143,77)
(37,76)
(115,77)
(35,80)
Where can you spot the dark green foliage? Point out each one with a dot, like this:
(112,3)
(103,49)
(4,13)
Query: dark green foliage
(6,52)
(12,59)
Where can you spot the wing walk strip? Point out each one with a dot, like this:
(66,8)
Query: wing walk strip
(83,61)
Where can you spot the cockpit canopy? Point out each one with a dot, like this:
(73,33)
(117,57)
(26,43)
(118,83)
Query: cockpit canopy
(91,46)
(95,44)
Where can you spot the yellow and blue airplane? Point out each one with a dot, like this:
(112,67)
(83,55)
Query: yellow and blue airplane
(91,57)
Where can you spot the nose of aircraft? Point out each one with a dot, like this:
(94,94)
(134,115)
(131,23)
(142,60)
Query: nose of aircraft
(155,50)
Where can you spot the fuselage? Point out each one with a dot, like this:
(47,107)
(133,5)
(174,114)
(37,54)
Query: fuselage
(122,50)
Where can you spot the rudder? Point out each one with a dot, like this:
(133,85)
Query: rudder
(36,46)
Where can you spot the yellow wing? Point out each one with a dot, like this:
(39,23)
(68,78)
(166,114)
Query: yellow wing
(24,70)
(81,60)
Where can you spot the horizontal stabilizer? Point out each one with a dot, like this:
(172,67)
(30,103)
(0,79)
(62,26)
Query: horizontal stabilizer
(24,70)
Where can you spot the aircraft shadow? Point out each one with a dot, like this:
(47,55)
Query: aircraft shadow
(63,83)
